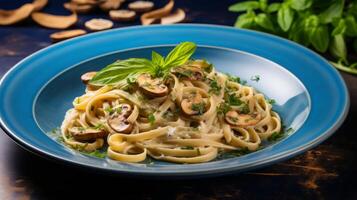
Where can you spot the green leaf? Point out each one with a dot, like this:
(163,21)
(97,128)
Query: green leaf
(285,17)
(274,7)
(264,21)
(244,6)
(298,33)
(338,47)
(351,26)
(333,11)
(301,4)
(157,59)
(263,4)
(179,55)
(319,38)
(120,70)
(151,118)
(340,28)
(245,20)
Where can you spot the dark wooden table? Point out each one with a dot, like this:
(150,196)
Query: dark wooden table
(325,172)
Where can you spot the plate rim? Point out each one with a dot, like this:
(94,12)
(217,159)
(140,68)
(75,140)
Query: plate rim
(212,171)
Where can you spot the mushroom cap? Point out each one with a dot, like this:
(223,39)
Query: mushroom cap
(190,72)
(234,118)
(120,124)
(122,15)
(86,134)
(98,24)
(125,110)
(86,77)
(188,105)
(152,87)
(141,6)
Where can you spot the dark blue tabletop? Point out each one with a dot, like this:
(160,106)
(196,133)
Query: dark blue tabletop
(325,172)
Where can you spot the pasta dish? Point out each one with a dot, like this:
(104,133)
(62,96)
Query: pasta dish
(172,108)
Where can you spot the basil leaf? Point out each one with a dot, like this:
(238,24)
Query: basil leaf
(157,59)
(351,26)
(333,11)
(340,28)
(263,20)
(274,7)
(338,47)
(179,55)
(301,4)
(285,17)
(246,20)
(120,70)
(263,5)
(244,6)
(319,38)
(299,33)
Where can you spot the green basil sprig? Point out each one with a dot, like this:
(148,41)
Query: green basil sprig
(326,26)
(158,66)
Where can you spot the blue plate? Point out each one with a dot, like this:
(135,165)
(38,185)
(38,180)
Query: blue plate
(310,95)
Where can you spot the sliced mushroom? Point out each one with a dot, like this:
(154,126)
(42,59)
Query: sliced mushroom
(110,5)
(63,35)
(8,17)
(153,87)
(98,24)
(39,4)
(78,8)
(54,21)
(122,15)
(87,77)
(86,134)
(152,16)
(141,6)
(87,2)
(234,118)
(194,105)
(176,17)
(189,72)
(124,110)
(120,124)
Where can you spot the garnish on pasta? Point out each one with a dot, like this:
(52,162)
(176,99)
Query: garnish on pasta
(172,108)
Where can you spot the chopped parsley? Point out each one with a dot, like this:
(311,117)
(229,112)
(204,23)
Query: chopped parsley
(271,101)
(187,148)
(151,119)
(215,88)
(223,108)
(255,78)
(109,110)
(199,107)
(233,78)
(98,126)
(97,153)
(233,100)
(244,109)
(233,153)
(276,136)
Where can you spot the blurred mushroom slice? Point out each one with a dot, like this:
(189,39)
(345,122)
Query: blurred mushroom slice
(122,15)
(110,5)
(141,6)
(8,17)
(98,24)
(234,118)
(54,21)
(87,2)
(78,8)
(63,35)
(152,16)
(176,17)
(39,4)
